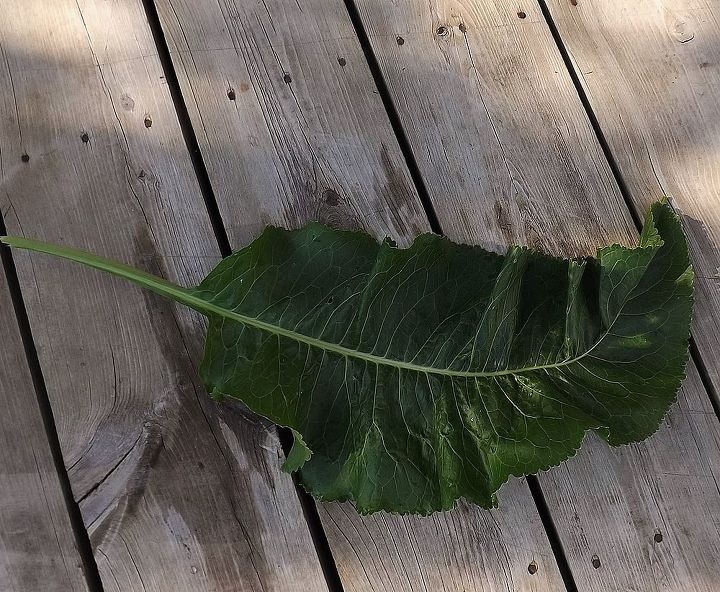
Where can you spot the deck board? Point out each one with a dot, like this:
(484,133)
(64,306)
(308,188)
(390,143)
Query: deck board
(37,545)
(508,154)
(177,492)
(180,493)
(466,549)
(650,514)
(652,77)
(304,137)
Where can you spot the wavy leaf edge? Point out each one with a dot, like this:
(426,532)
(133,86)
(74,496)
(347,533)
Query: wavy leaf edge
(300,452)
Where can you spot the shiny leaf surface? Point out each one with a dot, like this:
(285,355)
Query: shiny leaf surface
(413,377)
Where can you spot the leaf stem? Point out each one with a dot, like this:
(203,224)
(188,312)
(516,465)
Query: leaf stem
(141,278)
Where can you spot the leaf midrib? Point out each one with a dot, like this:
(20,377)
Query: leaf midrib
(185,296)
(204,306)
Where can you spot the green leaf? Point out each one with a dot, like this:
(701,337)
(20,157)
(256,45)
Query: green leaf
(298,456)
(418,376)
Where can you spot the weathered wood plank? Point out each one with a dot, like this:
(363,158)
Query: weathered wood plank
(648,520)
(465,549)
(651,73)
(37,545)
(495,125)
(287,117)
(177,492)
(508,154)
(291,128)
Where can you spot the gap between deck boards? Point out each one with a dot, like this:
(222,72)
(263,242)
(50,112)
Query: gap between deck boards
(621,183)
(80,534)
(309,509)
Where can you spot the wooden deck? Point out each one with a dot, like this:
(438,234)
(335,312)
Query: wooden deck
(167,133)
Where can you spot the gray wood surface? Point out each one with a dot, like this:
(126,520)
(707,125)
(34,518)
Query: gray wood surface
(508,155)
(304,135)
(493,119)
(292,129)
(37,545)
(652,76)
(650,72)
(466,549)
(649,518)
(177,492)
(180,493)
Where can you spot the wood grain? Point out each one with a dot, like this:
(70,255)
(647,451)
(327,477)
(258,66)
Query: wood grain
(177,492)
(291,128)
(651,71)
(304,135)
(500,138)
(648,519)
(508,155)
(466,549)
(37,545)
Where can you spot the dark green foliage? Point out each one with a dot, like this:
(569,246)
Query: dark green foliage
(413,377)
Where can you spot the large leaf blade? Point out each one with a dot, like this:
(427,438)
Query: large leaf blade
(417,376)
